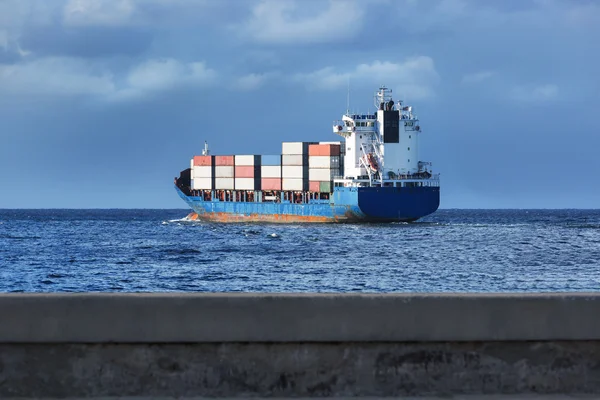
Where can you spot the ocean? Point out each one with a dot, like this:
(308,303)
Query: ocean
(158,250)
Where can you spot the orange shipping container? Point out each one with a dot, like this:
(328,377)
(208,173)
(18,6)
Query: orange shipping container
(224,160)
(270,184)
(203,161)
(314,186)
(324,150)
(245,171)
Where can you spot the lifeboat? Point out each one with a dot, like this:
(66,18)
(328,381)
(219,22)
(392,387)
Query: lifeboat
(372,162)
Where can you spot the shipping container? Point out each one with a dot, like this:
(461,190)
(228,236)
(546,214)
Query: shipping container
(270,171)
(202,172)
(247,160)
(293,171)
(223,171)
(202,184)
(324,150)
(336,143)
(203,160)
(314,186)
(294,159)
(322,174)
(270,184)
(325,187)
(294,184)
(224,183)
(295,147)
(271,160)
(247,184)
(324,162)
(224,160)
(245,171)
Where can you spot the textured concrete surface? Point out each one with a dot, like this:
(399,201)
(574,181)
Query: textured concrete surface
(467,397)
(299,370)
(192,318)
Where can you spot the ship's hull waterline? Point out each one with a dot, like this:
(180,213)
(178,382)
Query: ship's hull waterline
(347,205)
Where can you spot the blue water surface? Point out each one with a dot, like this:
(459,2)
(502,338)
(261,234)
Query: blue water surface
(155,250)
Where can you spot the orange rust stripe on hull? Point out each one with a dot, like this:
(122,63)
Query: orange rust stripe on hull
(280,218)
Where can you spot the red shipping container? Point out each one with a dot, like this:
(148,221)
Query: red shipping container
(244,171)
(324,150)
(270,184)
(224,160)
(314,186)
(203,161)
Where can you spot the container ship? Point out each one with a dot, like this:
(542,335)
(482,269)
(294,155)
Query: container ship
(373,174)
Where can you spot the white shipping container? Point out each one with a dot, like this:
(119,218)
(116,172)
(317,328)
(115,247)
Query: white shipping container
(224,171)
(200,171)
(324,161)
(270,171)
(292,171)
(244,184)
(322,174)
(292,148)
(244,160)
(293,159)
(202,183)
(224,183)
(292,184)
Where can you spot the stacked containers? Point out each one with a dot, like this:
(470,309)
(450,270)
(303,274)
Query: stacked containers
(324,165)
(224,173)
(294,170)
(270,172)
(247,172)
(203,173)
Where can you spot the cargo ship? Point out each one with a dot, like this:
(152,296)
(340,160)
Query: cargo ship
(373,174)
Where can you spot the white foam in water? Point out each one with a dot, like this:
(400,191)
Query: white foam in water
(180,220)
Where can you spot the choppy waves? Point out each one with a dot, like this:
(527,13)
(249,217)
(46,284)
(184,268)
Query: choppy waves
(162,250)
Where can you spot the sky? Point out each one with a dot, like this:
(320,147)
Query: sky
(103,102)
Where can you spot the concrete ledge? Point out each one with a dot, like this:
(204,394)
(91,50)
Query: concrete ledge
(298,370)
(298,345)
(287,318)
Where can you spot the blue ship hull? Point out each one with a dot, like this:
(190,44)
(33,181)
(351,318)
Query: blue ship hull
(347,204)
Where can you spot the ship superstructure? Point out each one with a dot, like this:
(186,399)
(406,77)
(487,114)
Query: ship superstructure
(383,148)
(374,174)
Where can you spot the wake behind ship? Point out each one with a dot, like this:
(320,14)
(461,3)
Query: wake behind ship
(373,175)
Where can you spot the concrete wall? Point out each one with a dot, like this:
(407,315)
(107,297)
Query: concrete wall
(184,345)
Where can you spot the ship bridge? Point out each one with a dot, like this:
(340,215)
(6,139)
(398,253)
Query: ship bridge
(381,148)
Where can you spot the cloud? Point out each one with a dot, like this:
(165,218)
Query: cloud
(412,78)
(167,73)
(98,12)
(250,82)
(536,94)
(148,13)
(477,77)
(55,76)
(75,76)
(288,21)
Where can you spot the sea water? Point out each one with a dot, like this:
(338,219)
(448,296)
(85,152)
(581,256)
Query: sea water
(159,250)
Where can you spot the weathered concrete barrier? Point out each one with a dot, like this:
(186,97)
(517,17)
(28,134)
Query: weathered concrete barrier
(283,345)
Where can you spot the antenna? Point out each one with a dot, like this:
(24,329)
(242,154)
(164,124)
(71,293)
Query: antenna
(348,99)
